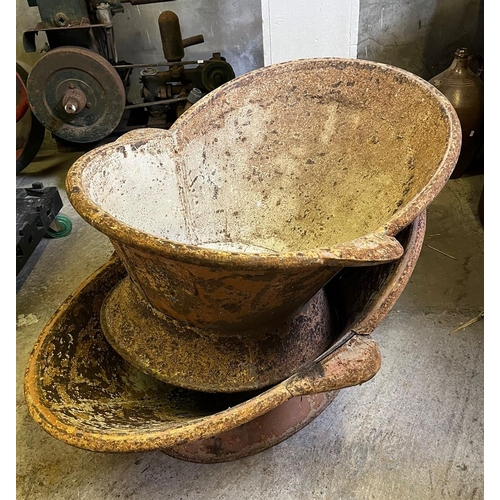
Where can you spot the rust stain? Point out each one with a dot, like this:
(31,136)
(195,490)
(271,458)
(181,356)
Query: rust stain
(221,282)
(178,353)
(81,391)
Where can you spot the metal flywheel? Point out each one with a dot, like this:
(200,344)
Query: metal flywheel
(76,94)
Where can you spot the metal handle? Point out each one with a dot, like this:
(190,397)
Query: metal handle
(193,40)
(373,248)
(354,363)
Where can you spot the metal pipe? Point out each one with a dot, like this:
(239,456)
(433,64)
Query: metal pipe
(155,103)
(171,38)
(157,65)
(144,2)
(192,40)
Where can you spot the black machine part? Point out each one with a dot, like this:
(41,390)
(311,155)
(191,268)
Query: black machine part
(206,76)
(36,209)
(78,89)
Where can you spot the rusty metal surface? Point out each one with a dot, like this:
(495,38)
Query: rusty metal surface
(257,435)
(364,296)
(177,353)
(240,223)
(218,299)
(82,392)
(171,38)
(345,149)
(84,78)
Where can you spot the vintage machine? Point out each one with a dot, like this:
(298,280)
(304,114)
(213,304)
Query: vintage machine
(78,89)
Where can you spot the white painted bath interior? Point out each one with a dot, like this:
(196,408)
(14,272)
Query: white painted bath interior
(295,29)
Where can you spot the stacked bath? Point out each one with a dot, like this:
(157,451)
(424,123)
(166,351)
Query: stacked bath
(259,242)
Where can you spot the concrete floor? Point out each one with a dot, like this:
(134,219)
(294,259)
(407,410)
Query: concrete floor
(415,431)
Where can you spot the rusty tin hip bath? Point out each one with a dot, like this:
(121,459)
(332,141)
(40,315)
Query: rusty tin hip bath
(230,223)
(82,392)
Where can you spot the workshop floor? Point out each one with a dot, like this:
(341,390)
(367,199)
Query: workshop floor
(413,432)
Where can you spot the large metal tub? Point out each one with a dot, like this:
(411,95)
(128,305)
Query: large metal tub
(80,391)
(231,222)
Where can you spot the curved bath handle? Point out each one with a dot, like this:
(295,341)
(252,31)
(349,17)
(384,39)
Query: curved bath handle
(354,363)
(374,248)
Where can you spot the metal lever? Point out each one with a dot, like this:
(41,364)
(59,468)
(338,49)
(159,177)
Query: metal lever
(171,38)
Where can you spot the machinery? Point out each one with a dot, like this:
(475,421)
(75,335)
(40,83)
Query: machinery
(78,89)
(78,92)
(37,209)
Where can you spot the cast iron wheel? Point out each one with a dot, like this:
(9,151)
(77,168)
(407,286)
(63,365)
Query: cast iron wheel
(215,73)
(26,153)
(76,94)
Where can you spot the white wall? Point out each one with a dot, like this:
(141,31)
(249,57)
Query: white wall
(295,29)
